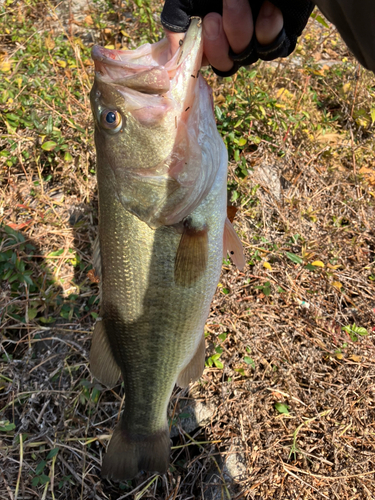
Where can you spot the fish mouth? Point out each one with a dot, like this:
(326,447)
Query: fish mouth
(148,67)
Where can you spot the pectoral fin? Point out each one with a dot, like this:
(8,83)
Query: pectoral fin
(192,255)
(102,363)
(195,368)
(233,245)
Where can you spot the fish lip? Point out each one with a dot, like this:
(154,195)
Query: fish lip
(121,60)
(102,55)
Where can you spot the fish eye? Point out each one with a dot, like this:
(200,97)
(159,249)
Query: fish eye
(111,120)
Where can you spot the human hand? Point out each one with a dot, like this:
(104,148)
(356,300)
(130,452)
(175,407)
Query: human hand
(228,29)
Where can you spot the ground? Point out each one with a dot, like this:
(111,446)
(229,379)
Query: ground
(286,402)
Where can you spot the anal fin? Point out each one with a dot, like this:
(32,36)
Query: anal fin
(194,369)
(192,255)
(102,363)
(233,245)
(129,454)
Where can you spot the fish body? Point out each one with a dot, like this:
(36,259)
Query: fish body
(161,171)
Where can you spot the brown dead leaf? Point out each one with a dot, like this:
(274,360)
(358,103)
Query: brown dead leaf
(331,266)
(330,138)
(88,20)
(93,277)
(317,56)
(369,174)
(220,98)
(231,212)
(49,43)
(337,284)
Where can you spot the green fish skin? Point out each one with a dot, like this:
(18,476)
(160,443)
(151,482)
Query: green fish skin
(161,171)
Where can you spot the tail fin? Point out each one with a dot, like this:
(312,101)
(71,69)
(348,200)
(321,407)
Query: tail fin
(129,454)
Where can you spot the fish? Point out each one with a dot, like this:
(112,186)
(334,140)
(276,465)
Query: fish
(162,233)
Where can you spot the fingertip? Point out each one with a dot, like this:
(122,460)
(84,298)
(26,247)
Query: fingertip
(212,26)
(269,23)
(238,24)
(215,43)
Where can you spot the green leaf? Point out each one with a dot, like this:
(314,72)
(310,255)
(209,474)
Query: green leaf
(29,281)
(49,145)
(32,312)
(50,319)
(294,258)
(241,371)
(35,481)
(68,156)
(360,330)
(249,361)
(282,408)
(235,195)
(355,330)
(242,141)
(44,479)
(49,126)
(6,426)
(222,337)
(219,364)
(53,453)
(57,253)
(40,467)
(13,117)
(320,20)
(310,267)
(219,113)
(252,74)
(267,289)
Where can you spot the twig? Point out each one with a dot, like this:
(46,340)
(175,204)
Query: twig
(20,468)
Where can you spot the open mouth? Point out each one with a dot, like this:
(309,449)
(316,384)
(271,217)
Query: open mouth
(147,68)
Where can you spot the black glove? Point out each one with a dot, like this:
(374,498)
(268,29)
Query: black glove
(176,17)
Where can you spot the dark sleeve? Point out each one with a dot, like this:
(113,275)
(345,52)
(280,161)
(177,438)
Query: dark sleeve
(355,21)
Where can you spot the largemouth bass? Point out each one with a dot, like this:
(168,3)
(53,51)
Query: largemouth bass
(162,171)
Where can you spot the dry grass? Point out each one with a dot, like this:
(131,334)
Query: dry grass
(303,183)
